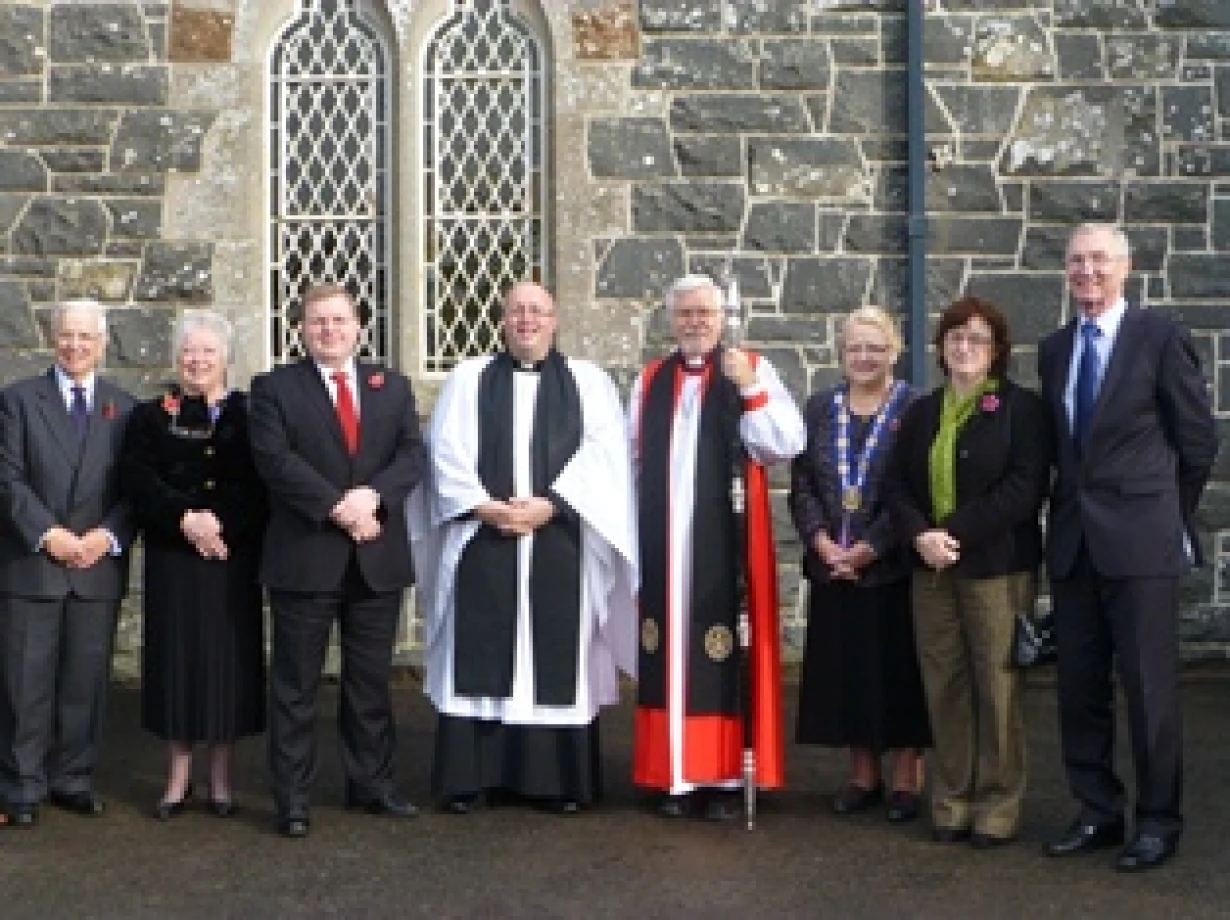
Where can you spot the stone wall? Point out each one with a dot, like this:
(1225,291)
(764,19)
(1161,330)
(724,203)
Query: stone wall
(132,144)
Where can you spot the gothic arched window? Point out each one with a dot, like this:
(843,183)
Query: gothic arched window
(329,161)
(483,194)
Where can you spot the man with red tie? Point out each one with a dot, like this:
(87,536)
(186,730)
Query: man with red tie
(337,443)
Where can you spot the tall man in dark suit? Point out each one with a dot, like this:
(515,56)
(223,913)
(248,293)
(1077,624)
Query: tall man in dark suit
(64,536)
(337,442)
(1135,445)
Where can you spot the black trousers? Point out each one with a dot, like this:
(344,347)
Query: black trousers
(367,623)
(55,664)
(1131,622)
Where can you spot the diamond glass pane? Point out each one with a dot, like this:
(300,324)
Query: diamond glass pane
(483,215)
(330,162)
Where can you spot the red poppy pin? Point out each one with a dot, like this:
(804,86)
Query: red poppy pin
(376,380)
(170,404)
(108,410)
(989,403)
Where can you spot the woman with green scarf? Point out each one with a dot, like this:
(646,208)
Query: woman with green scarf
(964,486)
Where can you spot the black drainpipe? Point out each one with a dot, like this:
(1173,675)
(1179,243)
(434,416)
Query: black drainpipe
(917,155)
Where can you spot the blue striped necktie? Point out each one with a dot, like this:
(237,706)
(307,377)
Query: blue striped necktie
(1086,383)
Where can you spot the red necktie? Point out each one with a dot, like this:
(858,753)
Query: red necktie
(346,416)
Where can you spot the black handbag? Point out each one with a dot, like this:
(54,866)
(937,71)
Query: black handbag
(1033,639)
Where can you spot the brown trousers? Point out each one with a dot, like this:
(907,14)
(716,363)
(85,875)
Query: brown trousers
(963,629)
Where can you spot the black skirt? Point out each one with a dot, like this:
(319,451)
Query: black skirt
(203,656)
(534,761)
(861,684)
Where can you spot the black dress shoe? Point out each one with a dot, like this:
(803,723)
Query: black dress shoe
(902,807)
(721,807)
(80,803)
(561,806)
(294,824)
(389,804)
(22,816)
(460,804)
(1146,851)
(854,799)
(980,841)
(675,806)
(950,834)
(1085,838)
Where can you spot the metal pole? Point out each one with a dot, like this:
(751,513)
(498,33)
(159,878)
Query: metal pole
(916,97)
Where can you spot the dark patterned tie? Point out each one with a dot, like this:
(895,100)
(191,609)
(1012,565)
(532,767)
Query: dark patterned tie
(1086,384)
(79,412)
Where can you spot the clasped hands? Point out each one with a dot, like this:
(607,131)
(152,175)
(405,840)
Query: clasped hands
(356,514)
(939,549)
(515,517)
(844,562)
(204,531)
(76,552)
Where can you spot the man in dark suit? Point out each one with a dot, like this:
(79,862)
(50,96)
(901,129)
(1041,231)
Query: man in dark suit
(64,537)
(1135,445)
(337,442)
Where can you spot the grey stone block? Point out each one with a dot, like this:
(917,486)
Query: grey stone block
(21,172)
(19,92)
(108,84)
(110,184)
(24,266)
(176,272)
(1172,201)
(135,218)
(725,114)
(1143,57)
(97,32)
(1100,14)
(791,328)
(789,366)
(1208,46)
(681,15)
(17,328)
(1222,86)
(982,110)
(769,16)
(1080,56)
(709,155)
(11,207)
(1032,303)
(629,148)
(858,52)
(1193,14)
(948,39)
(1073,201)
(869,102)
(821,167)
(825,285)
(830,228)
(752,273)
(781,226)
(155,141)
(1012,48)
(894,40)
(975,235)
(21,36)
(963,187)
(125,249)
(139,337)
(688,206)
(1221,225)
(74,159)
(1150,247)
(1192,160)
(694,63)
(829,22)
(942,280)
(61,226)
(876,233)
(1190,239)
(639,268)
(53,127)
(892,189)
(1200,275)
(18,365)
(795,64)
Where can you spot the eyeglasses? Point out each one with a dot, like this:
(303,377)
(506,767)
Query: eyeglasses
(1092,259)
(861,348)
(970,339)
(534,310)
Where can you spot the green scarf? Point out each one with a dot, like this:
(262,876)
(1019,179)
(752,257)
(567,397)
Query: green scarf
(954,413)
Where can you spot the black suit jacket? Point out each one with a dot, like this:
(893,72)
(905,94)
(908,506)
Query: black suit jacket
(1003,458)
(1150,449)
(300,454)
(48,478)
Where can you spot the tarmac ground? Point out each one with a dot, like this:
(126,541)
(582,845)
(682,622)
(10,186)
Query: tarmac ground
(617,860)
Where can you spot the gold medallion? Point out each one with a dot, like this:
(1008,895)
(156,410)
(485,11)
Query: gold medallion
(649,635)
(719,642)
(851,499)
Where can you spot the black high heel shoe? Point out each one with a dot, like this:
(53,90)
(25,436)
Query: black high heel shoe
(221,808)
(165,810)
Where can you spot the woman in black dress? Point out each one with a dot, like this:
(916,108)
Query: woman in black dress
(860,686)
(187,470)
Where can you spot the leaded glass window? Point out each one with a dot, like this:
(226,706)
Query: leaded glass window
(483,195)
(329,158)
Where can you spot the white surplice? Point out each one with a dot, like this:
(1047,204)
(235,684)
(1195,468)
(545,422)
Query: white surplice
(772,433)
(595,483)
